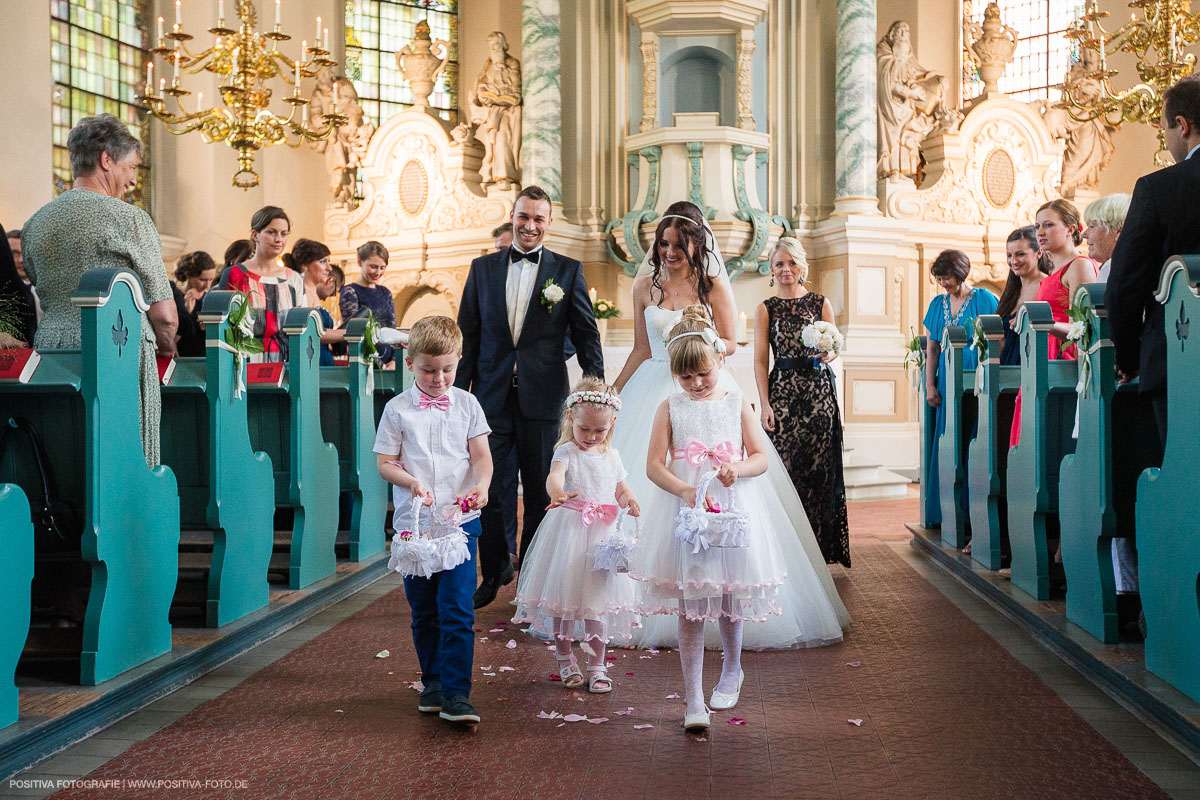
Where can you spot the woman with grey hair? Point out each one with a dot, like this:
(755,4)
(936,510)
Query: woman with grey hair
(799,402)
(91,227)
(1105,218)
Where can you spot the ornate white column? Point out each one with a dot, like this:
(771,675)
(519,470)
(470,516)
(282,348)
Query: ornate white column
(856,109)
(745,79)
(541,133)
(649,50)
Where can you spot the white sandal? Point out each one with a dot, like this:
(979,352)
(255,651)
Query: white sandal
(568,670)
(599,675)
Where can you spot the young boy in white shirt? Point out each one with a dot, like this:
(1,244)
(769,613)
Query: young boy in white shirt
(432,443)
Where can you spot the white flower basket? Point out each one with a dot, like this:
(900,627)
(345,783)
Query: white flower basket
(701,529)
(614,551)
(419,554)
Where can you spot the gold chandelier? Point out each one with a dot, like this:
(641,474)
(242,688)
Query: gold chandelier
(1166,27)
(245,60)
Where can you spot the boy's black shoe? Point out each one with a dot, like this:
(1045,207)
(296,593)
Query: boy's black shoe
(459,709)
(431,698)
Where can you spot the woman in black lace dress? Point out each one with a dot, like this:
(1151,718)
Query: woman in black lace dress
(799,403)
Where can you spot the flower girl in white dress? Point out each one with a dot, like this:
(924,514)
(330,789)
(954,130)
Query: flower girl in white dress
(711,548)
(573,582)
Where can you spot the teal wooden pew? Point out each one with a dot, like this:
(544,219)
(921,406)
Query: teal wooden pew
(1047,417)
(348,422)
(227,502)
(1167,523)
(16,564)
(85,405)
(1097,488)
(987,455)
(285,423)
(931,510)
(960,406)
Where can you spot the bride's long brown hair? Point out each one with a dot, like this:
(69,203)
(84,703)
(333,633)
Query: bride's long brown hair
(690,231)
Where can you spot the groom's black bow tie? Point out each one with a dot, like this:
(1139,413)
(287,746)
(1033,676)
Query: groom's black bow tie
(515,255)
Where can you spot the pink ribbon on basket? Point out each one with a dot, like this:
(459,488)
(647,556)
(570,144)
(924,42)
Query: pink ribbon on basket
(696,453)
(591,511)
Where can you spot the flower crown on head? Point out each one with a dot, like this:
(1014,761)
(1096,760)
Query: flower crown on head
(595,398)
(709,336)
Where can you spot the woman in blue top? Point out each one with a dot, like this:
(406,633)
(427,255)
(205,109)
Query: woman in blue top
(311,259)
(367,293)
(960,305)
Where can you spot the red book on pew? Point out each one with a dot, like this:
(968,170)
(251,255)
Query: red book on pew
(271,374)
(166,368)
(18,363)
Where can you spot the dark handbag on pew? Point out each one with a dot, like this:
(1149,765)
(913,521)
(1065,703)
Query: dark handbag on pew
(56,525)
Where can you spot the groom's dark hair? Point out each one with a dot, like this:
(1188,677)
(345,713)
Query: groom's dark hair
(533,192)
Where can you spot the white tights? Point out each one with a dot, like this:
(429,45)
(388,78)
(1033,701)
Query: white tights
(691,658)
(593,643)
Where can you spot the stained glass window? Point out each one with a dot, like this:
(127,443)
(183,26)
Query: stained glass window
(1043,54)
(375,30)
(97,54)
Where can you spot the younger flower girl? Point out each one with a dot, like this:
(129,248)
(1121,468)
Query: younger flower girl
(573,583)
(711,546)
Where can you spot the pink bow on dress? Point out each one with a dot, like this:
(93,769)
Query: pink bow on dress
(440,403)
(696,453)
(591,511)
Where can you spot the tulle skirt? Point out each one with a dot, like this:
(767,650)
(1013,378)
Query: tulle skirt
(807,594)
(557,581)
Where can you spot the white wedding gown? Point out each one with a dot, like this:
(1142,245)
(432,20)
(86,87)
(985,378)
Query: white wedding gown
(647,388)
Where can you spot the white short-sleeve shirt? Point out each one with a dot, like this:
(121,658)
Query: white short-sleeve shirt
(432,445)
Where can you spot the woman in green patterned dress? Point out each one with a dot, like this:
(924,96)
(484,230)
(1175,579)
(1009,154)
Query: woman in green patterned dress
(91,227)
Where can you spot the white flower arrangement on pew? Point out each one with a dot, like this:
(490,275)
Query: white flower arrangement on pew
(914,356)
(240,338)
(1079,333)
(823,336)
(979,344)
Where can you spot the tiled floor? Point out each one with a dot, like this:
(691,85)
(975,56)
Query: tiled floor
(954,703)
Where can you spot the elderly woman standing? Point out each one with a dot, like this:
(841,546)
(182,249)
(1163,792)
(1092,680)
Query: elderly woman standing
(1105,218)
(799,402)
(91,227)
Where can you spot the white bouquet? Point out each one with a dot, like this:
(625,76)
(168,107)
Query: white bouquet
(823,336)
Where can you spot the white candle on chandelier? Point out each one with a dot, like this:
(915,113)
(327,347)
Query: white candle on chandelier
(149,78)
(325,38)
(179,13)
(303,47)
(220,10)
(175,74)
(297,76)
(160,29)
(162,86)
(199,102)
(318,33)
(277,13)
(335,94)
(304,114)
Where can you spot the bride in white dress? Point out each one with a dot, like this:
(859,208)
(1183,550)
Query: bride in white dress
(659,297)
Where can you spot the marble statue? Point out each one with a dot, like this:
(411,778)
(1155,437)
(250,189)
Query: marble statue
(912,103)
(1088,143)
(344,152)
(495,103)
(421,61)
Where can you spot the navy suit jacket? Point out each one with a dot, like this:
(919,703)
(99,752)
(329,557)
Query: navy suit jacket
(1163,220)
(489,354)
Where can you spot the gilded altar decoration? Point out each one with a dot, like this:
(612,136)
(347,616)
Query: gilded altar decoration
(246,60)
(912,103)
(345,151)
(1166,27)
(421,61)
(495,102)
(991,46)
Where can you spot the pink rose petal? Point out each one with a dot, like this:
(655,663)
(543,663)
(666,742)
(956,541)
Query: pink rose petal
(559,725)
(555,678)
(496,630)
(853,663)
(488,668)
(574,718)
(551,715)
(672,696)
(855,722)
(701,739)
(587,648)
(628,674)
(508,669)
(736,721)
(512,644)
(642,727)
(624,713)
(597,720)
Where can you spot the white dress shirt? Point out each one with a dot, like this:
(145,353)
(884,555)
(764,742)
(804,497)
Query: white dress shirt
(432,445)
(1102,275)
(517,291)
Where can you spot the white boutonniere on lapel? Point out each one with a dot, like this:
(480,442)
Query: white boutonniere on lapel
(552,294)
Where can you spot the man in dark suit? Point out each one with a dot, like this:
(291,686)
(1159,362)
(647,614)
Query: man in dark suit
(1163,220)
(517,306)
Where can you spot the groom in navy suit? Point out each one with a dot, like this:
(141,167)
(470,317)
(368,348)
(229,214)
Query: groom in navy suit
(517,306)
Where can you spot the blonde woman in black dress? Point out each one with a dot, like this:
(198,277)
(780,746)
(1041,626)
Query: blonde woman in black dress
(798,399)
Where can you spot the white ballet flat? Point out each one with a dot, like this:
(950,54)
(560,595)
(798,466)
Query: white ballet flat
(696,723)
(721,701)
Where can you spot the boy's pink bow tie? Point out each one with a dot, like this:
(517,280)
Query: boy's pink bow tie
(696,453)
(440,403)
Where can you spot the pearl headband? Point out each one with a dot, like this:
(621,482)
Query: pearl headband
(593,397)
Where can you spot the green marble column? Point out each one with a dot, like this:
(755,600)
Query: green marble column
(856,106)
(541,129)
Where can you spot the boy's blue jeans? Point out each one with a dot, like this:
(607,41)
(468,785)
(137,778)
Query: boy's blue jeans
(443,616)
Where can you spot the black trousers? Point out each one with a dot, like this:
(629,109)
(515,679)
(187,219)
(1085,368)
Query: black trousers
(533,442)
